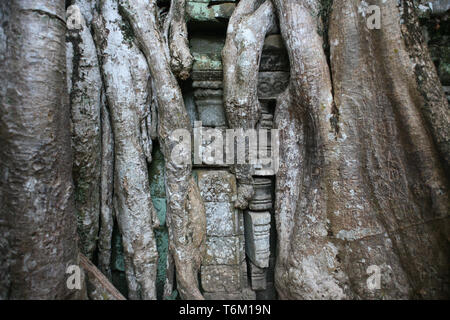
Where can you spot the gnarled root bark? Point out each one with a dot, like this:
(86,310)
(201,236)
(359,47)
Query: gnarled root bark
(367,188)
(181,59)
(305,255)
(241,55)
(125,95)
(85,102)
(184,209)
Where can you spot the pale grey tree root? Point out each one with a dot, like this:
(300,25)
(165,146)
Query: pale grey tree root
(85,103)
(126,93)
(434,106)
(241,56)
(185,208)
(181,59)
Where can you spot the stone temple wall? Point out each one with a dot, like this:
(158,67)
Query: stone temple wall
(240,254)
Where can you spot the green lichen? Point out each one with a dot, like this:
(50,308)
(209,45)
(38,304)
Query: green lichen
(158,193)
(201,11)
(207,61)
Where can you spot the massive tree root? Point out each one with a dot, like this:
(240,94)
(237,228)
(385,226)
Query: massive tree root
(306,272)
(370,186)
(125,76)
(185,209)
(85,103)
(177,39)
(130,45)
(241,55)
(361,182)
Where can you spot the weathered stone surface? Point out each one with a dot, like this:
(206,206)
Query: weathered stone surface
(201,12)
(208,93)
(213,84)
(207,75)
(212,151)
(241,224)
(268,150)
(244,272)
(221,219)
(274,56)
(222,251)
(274,42)
(262,199)
(216,186)
(224,272)
(258,277)
(207,52)
(158,193)
(266,122)
(210,107)
(160,207)
(268,294)
(248,294)
(220,278)
(257,236)
(156,175)
(271,84)
(190,106)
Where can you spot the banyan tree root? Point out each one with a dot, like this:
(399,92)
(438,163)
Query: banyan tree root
(189,259)
(305,255)
(125,96)
(434,106)
(241,55)
(409,189)
(85,102)
(181,59)
(361,185)
(185,210)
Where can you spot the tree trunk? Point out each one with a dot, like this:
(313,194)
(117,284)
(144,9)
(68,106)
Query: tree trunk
(370,189)
(37,217)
